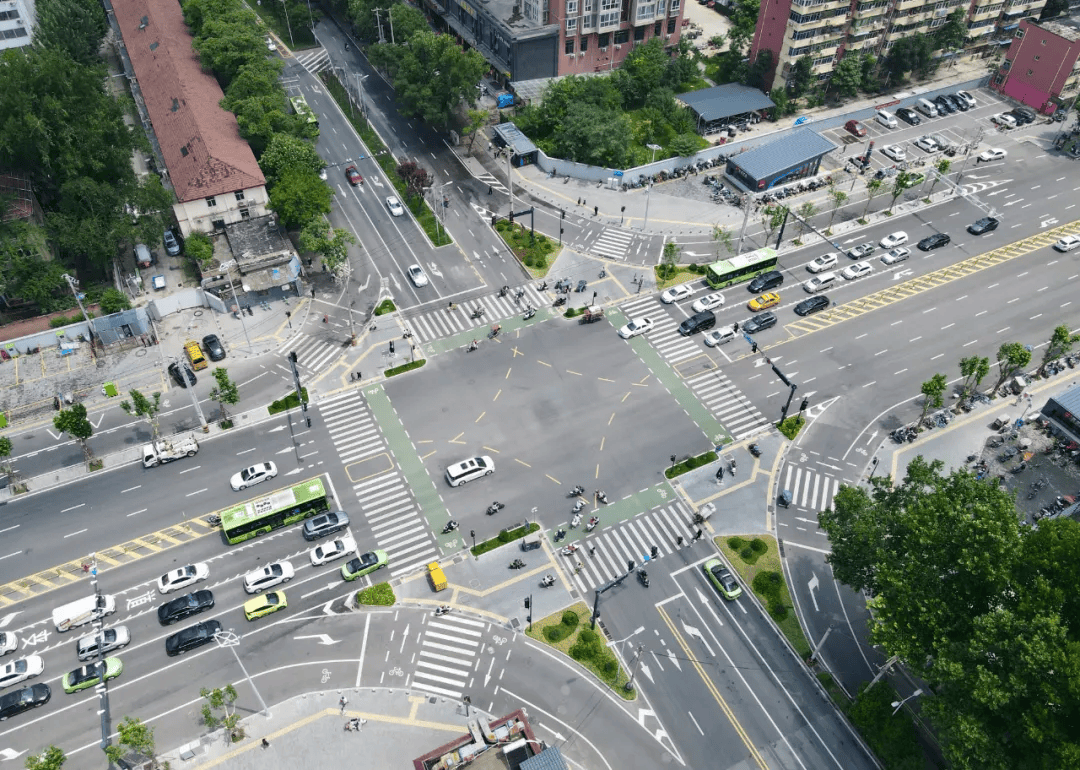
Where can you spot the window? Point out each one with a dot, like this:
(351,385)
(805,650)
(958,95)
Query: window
(660,8)
(604,40)
(622,36)
(671,25)
(584,44)
(587,6)
(570,46)
(239,195)
(658,29)
(571,27)
(639,34)
(571,7)
(245,214)
(1019,33)
(609,12)
(675,5)
(645,11)
(211,202)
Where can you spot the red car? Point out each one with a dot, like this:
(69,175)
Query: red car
(353,176)
(855,127)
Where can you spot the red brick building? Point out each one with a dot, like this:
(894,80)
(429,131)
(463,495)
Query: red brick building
(1042,66)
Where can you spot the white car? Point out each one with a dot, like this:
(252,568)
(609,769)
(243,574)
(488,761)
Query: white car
(335,549)
(894,151)
(720,336)
(896,255)
(1004,119)
(269,576)
(270,44)
(8,642)
(709,302)
(990,155)
(396,209)
(183,577)
(1068,243)
(824,262)
(966,97)
(892,240)
(676,293)
(254,475)
(20,670)
(856,271)
(635,327)
(926,143)
(417,275)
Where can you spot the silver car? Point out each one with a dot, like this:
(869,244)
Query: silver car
(114,638)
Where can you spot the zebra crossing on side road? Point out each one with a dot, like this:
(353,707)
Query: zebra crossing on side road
(665,335)
(631,540)
(312,354)
(810,489)
(315,60)
(727,404)
(441,322)
(385,500)
(493,182)
(448,654)
(612,243)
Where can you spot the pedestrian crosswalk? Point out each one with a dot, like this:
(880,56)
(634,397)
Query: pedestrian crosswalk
(441,322)
(728,404)
(612,243)
(383,498)
(665,335)
(810,489)
(449,648)
(312,353)
(314,60)
(493,182)
(631,540)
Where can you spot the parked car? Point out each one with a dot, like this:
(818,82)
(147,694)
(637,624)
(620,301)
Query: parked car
(895,152)
(214,349)
(175,370)
(960,102)
(966,97)
(1023,115)
(172,246)
(944,104)
(984,225)
(1005,120)
(855,127)
(935,241)
(926,144)
(909,116)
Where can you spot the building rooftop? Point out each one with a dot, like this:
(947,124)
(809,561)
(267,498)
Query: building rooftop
(725,101)
(1067,31)
(511,135)
(797,147)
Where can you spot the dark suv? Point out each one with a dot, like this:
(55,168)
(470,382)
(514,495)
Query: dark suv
(944,102)
(324,525)
(192,637)
(766,281)
(185,607)
(1024,115)
(984,225)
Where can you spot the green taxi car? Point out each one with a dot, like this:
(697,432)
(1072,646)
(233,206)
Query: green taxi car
(721,577)
(269,602)
(90,675)
(364,564)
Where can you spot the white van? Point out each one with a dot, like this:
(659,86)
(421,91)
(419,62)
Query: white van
(886,119)
(82,611)
(820,282)
(927,108)
(467,470)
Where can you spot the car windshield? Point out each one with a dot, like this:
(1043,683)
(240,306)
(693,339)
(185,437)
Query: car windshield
(272,599)
(274,570)
(367,560)
(84,674)
(250,473)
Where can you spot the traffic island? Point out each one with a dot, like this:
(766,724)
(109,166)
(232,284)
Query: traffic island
(378,595)
(568,632)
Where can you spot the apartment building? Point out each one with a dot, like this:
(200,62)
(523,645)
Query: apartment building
(1042,66)
(827,30)
(17,18)
(533,39)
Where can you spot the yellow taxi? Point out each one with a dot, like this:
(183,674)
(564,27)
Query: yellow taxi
(764,302)
(269,602)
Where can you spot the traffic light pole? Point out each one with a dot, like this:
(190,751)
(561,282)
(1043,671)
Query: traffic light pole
(99,626)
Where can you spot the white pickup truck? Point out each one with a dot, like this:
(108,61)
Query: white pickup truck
(165,450)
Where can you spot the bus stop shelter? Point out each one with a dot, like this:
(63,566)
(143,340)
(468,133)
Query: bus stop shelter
(722,106)
(508,136)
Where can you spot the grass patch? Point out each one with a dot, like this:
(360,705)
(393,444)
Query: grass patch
(379,595)
(225,424)
(97,465)
(569,633)
(404,367)
(386,306)
(792,425)
(681,274)
(892,738)
(690,463)
(574,312)
(775,597)
(504,537)
(532,251)
(289,402)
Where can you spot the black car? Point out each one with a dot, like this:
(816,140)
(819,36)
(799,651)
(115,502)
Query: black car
(759,322)
(24,699)
(174,372)
(1023,111)
(766,281)
(935,241)
(213,346)
(192,637)
(945,103)
(812,305)
(960,102)
(184,607)
(324,525)
(908,116)
(984,225)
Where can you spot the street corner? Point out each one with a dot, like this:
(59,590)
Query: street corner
(740,501)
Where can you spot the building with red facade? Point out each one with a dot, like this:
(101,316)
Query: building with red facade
(533,39)
(1042,66)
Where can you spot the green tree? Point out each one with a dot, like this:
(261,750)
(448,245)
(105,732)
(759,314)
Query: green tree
(147,408)
(642,72)
(133,736)
(973,369)
(744,16)
(330,243)
(299,197)
(220,711)
(52,758)
(722,238)
(415,177)
(23,271)
(802,75)
(288,153)
(873,189)
(593,135)
(805,212)
(113,301)
(406,20)
(477,119)
(847,77)
(227,42)
(772,216)
(199,247)
(670,258)
(1061,342)
(932,390)
(868,65)
(953,32)
(837,198)
(942,168)
(1053,8)
(75,27)
(225,391)
(784,105)
(74,423)
(1012,357)
(759,74)
(257,79)
(910,54)
(14,477)
(901,182)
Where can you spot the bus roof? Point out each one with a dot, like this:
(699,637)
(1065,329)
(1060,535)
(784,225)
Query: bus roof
(743,260)
(276,501)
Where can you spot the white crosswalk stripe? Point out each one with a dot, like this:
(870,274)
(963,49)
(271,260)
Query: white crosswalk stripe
(315,60)
(492,181)
(385,500)
(631,540)
(612,243)
(810,489)
(440,322)
(312,354)
(727,404)
(447,658)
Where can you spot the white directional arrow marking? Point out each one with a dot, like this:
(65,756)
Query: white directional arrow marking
(6,754)
(646,672)
(275,430)
(902,274)
(871,437)
(813,586)
(323,638)
(692,631)
(8,618)
(1048,222)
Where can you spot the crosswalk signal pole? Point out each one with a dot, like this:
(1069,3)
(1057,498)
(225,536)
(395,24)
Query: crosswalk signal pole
(296,385)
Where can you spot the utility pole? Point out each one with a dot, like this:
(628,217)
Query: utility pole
(748,202)
(510,179)
(378,20)
(99,626)
(73,284)
(236,302)
(232,641)
(182,369)
(633,669)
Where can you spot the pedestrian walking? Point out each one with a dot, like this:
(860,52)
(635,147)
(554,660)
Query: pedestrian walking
(343,703)
(595,210)
(592,550)
(679,541)
(697,535)
(489,189)
(265,743)
(313,292)
(358,377)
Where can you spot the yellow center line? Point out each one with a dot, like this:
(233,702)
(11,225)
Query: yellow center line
(544,363)
(604,379)
(508,371)
(603,439)
(522,462)
(553,479)
(497,394)
(624,398)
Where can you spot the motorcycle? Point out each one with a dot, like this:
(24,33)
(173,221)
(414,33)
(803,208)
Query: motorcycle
(559,302)
(601,495)
(548,581)
(477,312)
(529,313)
(517,564)
(643,577)
(575,521)
(578,506)
(559,535)
(503,291)
(472,346)
(592,523)
(578,490)
(450,527)
(755,450)
(213,520)
(495,507)
(569,550)
(442,609)
(542,287)
(732,469)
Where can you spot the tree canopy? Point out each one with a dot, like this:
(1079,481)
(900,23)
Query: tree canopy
(300,196)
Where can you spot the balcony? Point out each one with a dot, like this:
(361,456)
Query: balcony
(869,13)
(984,12)
(907,5)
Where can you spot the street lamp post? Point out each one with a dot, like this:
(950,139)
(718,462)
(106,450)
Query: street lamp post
(228,265)
(232,641)
(648,192)
(99,626)
(289,25)
(182,370)
(896,704)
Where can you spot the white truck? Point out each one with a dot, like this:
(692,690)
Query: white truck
(82,611)
(166,450)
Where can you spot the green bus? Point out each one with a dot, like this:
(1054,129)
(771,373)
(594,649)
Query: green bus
(300,105)
(726,272)
(286,506)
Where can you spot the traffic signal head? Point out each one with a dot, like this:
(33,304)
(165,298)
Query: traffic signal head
(528,602)
(753,347)
(292,356)
(391,346)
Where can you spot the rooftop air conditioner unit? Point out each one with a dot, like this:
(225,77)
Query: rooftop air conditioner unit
(618,48)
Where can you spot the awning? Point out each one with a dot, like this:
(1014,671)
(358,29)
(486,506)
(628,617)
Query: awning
(1010,27)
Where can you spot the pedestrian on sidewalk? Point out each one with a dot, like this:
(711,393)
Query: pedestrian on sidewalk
(595,210)
(265,743)
(343,703)
(489,189)
(358,378)
(313,292)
